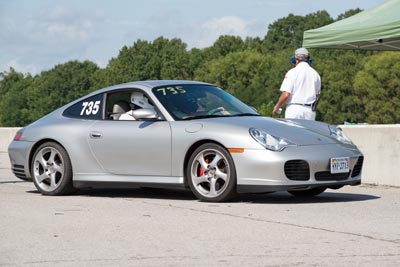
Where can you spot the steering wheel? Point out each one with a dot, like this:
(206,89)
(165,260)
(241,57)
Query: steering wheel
(215,110)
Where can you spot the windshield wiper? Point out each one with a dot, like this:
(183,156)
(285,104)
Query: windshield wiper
(204,117)
(218,116)
(245,114)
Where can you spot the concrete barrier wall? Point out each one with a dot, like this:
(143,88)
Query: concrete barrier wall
(380,145)
(6,136)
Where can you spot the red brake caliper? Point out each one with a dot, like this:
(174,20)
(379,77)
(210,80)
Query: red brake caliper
(201,168)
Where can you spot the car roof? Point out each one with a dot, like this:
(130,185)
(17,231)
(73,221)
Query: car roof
(148,85)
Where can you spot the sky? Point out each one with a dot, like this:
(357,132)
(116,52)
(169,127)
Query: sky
(36,35)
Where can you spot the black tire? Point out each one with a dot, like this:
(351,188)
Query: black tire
(52,170)
(211,173)
(308,193)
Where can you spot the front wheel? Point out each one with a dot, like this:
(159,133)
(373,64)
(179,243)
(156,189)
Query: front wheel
(211,173)
(52,170)
(308,192)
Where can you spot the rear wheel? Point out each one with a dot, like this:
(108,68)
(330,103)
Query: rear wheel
(52,170)
(211,173)
(308,193)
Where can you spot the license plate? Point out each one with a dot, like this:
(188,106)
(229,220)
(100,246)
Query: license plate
(340,165)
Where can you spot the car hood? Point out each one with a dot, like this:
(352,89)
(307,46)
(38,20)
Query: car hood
(299,132)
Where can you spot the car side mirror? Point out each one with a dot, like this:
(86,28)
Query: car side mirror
(145,113)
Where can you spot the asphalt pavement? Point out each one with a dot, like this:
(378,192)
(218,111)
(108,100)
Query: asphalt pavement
(353,226)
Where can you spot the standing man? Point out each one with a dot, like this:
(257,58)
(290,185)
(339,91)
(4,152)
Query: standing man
(300,89)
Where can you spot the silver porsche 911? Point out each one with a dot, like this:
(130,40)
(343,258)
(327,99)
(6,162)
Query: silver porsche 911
(180,134)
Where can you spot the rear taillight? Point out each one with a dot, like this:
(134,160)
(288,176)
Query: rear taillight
(18,135)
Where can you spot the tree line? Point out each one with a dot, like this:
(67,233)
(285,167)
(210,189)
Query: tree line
(357,86)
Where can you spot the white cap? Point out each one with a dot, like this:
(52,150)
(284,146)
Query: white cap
(301,51)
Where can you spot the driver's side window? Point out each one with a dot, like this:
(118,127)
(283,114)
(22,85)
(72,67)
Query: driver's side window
(118,103)
(123,106)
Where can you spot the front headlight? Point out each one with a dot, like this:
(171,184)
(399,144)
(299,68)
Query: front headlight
(338,133)
(269,141)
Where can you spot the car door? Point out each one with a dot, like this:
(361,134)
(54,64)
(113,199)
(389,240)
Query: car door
(132,147)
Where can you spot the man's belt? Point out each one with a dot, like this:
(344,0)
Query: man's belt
(306,105)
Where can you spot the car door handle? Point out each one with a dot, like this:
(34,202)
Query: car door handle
(95,135)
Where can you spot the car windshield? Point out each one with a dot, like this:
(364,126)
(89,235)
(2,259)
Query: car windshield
(186,102)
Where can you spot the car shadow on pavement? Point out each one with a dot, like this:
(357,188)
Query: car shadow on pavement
(186,195)
(141,192)
(286,198)
(12,182)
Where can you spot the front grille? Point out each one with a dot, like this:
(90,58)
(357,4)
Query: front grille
(297,170)
(357,168)
(19,171)
(327,176)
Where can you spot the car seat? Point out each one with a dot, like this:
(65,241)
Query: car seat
(119,108)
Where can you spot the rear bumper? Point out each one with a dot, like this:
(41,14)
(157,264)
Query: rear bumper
(19,151)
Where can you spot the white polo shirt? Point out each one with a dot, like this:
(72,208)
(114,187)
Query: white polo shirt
(303,83)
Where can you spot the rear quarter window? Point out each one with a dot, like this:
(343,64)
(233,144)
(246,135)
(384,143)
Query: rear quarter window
(89,109)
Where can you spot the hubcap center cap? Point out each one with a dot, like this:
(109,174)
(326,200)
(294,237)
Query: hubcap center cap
(211,173)
(50,168)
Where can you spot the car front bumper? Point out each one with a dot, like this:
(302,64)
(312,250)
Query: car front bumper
(262,170)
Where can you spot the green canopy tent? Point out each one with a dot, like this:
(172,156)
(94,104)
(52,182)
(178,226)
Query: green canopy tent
(374,29)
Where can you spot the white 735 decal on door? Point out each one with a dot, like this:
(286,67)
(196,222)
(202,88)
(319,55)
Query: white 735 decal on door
(90,108)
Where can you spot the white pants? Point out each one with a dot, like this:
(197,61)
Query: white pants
(299,112)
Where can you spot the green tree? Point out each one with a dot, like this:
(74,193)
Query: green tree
(224,45)
(160,59)
(58,86)
(348,13)
(196,59)
(337,69)
(7,79)
(249,75)
(377,85)
(266,110)
(14,110)
(288,32)
(254,43)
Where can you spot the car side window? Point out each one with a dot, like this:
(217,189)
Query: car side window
(90,108)
(117,104)
(121,105)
